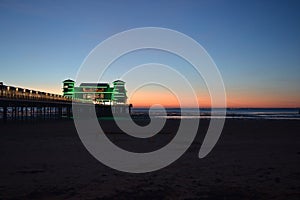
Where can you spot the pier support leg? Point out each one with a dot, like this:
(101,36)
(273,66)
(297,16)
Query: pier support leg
(26,112)
(59,112)
(44,112)
(14,112)
(31,112)
(4,113)
(22,112)
(55,112)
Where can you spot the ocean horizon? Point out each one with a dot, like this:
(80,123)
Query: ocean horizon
(234,113)
(205,113)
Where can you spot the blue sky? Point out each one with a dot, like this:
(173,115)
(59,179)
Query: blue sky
(255,44)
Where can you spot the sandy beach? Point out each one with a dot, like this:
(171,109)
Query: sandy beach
(254,159)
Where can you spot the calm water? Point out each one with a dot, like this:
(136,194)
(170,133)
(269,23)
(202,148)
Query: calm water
(190,113)
(237,113)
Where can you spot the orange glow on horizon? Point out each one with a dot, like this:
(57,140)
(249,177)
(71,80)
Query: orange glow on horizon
(245,99)
(141,99)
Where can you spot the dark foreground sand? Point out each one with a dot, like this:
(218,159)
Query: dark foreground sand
(254,159)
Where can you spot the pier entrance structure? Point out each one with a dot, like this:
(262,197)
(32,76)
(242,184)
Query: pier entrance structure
(98,93)
(107,99)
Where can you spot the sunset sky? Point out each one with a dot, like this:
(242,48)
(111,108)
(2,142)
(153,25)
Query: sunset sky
(255,45)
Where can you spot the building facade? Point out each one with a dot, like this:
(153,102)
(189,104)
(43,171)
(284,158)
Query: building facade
(98,93)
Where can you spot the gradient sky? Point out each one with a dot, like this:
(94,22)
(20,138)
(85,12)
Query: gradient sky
(255,44)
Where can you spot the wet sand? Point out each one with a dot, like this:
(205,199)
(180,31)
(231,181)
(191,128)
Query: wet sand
(254,159)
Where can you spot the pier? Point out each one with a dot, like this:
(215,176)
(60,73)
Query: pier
(21,104)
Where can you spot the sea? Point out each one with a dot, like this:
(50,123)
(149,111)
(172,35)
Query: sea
(231,113)
(205,113)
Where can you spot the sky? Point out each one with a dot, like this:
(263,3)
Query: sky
(255,45)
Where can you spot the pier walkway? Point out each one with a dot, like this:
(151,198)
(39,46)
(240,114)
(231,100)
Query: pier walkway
(22,103)
(19,103)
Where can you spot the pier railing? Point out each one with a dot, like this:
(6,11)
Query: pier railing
(9,92)
(19,94)
(21,103)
